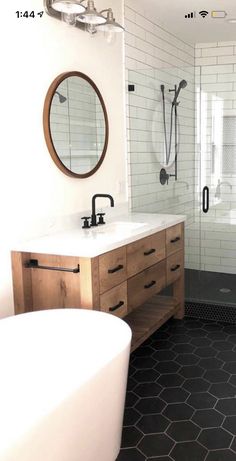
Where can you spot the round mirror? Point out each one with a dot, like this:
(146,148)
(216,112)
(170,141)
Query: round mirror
(75,124)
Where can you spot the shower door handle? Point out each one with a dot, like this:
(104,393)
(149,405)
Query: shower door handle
(205,199)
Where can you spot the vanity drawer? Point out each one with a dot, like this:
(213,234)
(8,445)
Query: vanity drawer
(174,267)
(112,268)
(145,284)
(145,253)
(114,301)
(174,239)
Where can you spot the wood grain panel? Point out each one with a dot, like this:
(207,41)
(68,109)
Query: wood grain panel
(22,283)
(145,253)
(112,268)
(174,267)
(146,284)
(111,301)
(53,289)
(174,239)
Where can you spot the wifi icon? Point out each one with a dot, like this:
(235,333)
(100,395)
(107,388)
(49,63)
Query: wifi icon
(203,13)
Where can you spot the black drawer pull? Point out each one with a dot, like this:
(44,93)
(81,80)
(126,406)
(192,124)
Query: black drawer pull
(116,269)
(149,285)
(114,308)
(175,240)
(149,252)
(33,264)
(173,269)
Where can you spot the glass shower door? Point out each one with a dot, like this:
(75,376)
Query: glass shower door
(215,183)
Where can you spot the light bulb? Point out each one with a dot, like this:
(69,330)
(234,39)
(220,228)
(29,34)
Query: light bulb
(68,18)
(91,29)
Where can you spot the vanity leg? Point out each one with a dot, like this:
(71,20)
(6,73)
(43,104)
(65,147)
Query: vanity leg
(178,292)
(89,283)
(22,283)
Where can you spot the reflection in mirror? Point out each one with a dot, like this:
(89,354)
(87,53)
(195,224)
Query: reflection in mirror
(76,127)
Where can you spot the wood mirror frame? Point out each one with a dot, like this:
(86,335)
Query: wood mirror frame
(47,129)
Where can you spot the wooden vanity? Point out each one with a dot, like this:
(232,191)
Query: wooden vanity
(125,281)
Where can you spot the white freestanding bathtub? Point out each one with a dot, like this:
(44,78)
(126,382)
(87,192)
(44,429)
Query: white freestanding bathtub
(62,385)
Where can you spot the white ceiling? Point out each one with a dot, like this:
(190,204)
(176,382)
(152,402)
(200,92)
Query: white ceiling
(170,14)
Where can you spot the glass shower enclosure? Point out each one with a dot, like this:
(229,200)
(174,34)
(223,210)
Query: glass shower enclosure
(206,182)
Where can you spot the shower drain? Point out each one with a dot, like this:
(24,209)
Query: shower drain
(225,290)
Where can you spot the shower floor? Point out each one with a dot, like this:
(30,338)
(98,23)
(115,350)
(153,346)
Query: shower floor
(210,287)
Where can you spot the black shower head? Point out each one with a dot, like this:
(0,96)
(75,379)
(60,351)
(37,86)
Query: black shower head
(182,85)
(61,97)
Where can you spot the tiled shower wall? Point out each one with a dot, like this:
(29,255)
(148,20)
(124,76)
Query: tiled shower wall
(216,74)
(154,57)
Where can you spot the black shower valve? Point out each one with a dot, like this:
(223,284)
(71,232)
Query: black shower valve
(164,177)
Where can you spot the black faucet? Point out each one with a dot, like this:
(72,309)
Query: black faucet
(94,216)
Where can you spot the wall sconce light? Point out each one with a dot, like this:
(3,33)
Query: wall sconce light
(87,18)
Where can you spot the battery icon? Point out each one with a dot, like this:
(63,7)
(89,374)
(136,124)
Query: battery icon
(218,14)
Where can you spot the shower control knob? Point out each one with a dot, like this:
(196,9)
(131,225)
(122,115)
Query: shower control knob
(100,218)
(164,177)
(86,224)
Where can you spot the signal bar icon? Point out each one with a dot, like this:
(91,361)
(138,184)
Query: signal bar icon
(191,15)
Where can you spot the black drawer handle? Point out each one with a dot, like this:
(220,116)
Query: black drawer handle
(173,269)
(175,240)
(114,308)
(116,269)
(149,285)
(149,252)
(34,264)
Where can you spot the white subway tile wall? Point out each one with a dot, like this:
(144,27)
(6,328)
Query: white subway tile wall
(154,57)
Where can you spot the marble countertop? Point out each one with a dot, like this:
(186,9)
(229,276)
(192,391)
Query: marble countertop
(118,231)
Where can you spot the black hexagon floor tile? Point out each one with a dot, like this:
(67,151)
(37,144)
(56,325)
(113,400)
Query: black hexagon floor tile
(187,359)
(131,416)
(221,455)
(150,424)
(230,424)
(180,402)
(167,367)
(156,445)
(148,375)
(222,390)
(178,411)
(183,348)
(230,367)
(183,431)
(130,454)
(148,389)
(216,376)
(222,345)
(202,400)
(130,437)
(196,385)
(227,406)
(215,438)
(201,342)
(174,395)
(150,405)
(170,380)
(187,451)
(191,371)
(208,418)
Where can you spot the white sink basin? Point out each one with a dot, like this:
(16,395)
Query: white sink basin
(119,227)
